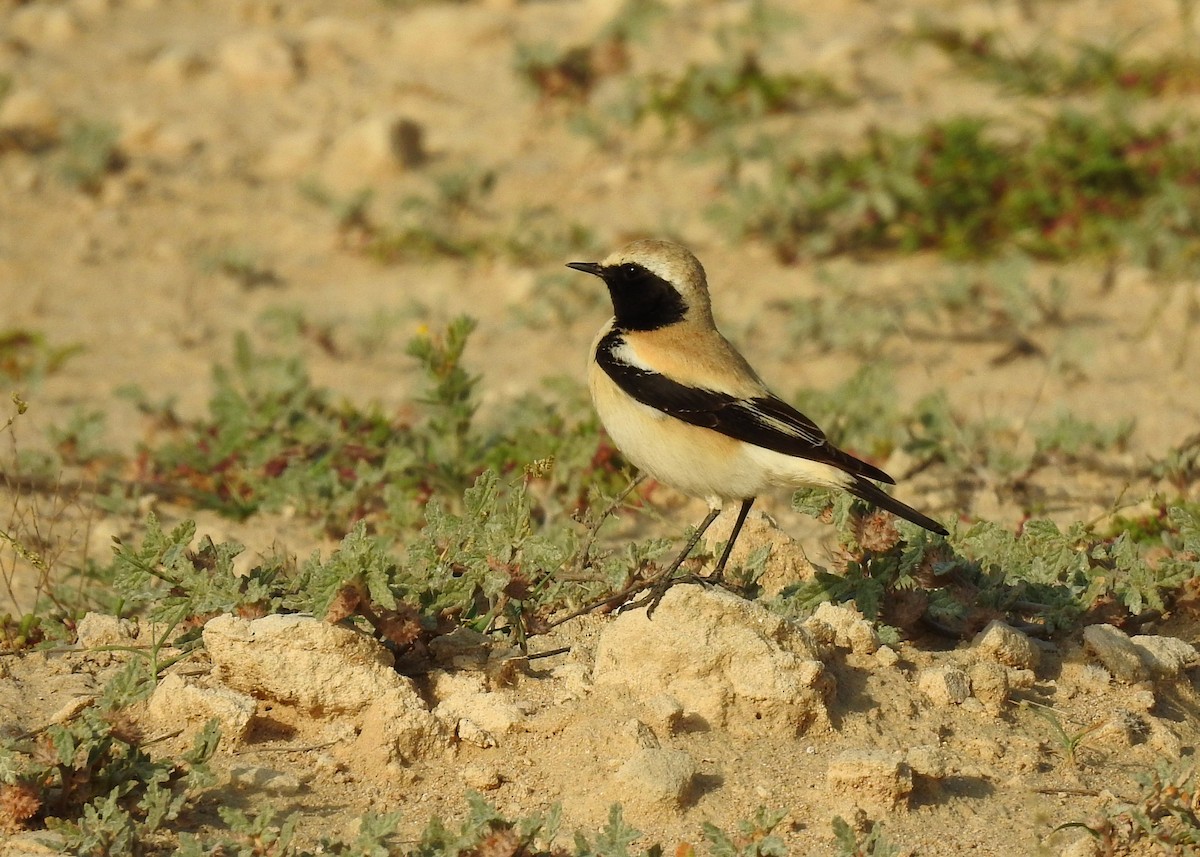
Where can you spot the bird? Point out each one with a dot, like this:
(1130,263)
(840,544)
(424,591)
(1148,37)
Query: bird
(685,407)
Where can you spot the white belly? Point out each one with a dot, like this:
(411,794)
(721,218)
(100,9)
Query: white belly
(696,460)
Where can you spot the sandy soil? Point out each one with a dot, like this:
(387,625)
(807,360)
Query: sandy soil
(227,110)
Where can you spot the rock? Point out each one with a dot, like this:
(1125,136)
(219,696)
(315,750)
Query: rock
(844,627)
(1123,728)
(1165,657)
(989,684)
(33,843)
(95,630)
(29,113)
(258,60)
(374,148)
(492,712)
(729,662)
(184,702)
(787,563)
(1113,648)
(326,669)
(1086,845)
(331,43)
(466,729)
(301,661)
(870,778)
(482,778)
(886,656)
(461,649)
(664,713)
(175,66)
(656,779)
(928,761)
(44,24)
(944,685)
(260,780)
(147,136)
(1007,646)
(292,155)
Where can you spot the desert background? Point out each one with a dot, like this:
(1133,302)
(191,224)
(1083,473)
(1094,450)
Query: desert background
(205,197)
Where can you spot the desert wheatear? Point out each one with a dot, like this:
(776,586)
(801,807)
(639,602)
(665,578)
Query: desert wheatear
(685,407)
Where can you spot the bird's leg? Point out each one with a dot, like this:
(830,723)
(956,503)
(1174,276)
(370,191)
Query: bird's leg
(662,583)
(687,549)
(719,571)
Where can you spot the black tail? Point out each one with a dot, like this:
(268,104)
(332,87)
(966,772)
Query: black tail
(875,495)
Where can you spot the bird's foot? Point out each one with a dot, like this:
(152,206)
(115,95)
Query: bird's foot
(658,589)
(651,599)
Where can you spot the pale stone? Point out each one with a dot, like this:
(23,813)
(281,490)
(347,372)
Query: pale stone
(989,684)
(787,562)
(870,778)
(180,702)
(732,663)
(44,24)
(1007,646)
(482,778)
(258,59)
(843,626)
(1165,657)
(1116,651)
(886,656)
(31,112)
(260,780)
(945,685)
(326,669)
(374,148)
(292,155)
(657,777)
(177,65)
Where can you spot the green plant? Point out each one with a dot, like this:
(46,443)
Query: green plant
(1068,742)
(570,74)
(90,153)
(1166,813)
(351,213)
(736,90)
(851,844)
(27,356)
(442,224)
(1081,68)
(90,780)
(1041,577)
(1071,188)
(242,265)
(754,837)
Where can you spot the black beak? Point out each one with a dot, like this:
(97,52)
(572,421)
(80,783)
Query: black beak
(588,268)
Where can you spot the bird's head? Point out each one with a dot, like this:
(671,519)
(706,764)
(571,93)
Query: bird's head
(653,284)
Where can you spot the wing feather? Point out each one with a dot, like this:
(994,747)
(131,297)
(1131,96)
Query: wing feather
(765,421)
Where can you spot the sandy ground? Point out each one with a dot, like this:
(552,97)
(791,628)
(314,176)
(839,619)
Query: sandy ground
(226,111)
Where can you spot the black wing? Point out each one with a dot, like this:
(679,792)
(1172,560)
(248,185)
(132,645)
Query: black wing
(764,421)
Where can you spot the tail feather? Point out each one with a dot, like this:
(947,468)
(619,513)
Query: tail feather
(875,495)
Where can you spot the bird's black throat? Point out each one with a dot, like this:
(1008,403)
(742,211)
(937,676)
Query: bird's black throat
(641,299)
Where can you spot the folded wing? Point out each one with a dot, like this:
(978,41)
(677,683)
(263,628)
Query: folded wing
(764,421)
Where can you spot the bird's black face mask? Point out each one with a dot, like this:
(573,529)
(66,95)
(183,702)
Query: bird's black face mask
(641,299)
